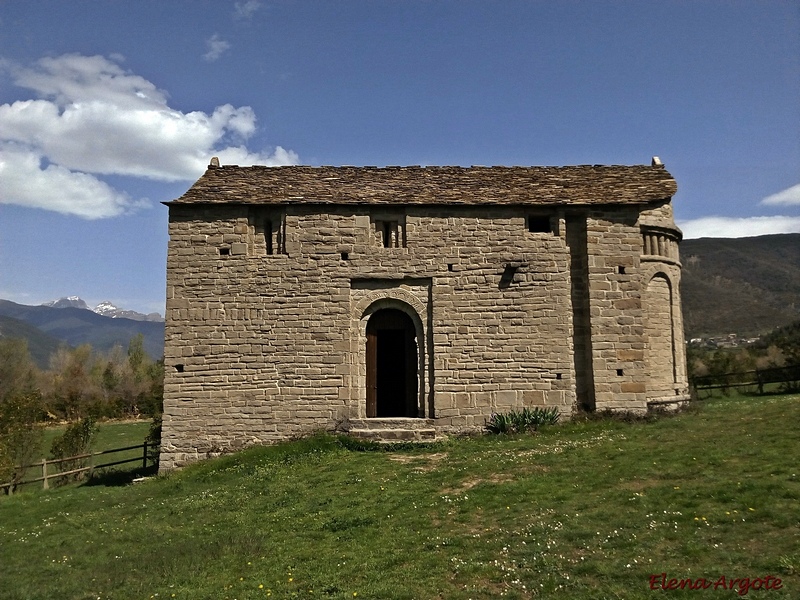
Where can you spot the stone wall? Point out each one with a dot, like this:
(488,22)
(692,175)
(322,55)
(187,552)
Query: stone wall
(267,313)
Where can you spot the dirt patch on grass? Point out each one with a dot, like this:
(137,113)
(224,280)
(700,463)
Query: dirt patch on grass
(421,463)
(639,485)
(468,484)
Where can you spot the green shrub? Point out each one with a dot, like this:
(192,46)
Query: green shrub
(75,441)
(499,423)
(153,439)
(6,466)
(20,435)
(522,421)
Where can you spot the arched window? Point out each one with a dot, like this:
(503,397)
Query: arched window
(659,329)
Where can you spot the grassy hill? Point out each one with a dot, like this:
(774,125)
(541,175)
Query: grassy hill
(40,345)
(584,510)
(747,286)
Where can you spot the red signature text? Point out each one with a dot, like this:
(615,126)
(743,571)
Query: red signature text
(742,585)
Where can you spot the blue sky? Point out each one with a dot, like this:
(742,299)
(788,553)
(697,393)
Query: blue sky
(109,108)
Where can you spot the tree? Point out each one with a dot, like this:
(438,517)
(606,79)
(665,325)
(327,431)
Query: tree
(73,390)
(20,435)
(137,356)
(75,441)
(20,411)
(17,371)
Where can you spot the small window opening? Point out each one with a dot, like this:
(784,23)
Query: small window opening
(537,224)
(268,236)
(224,251)
(450,267)
(391,233)
(267,229)
(621,270)
(345,256)
(620,372)
(179,368)
(558,375)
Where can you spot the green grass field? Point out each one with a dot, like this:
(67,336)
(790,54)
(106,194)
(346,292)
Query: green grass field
(586,510)
(110,435)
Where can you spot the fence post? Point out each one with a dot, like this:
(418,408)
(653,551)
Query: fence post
(44,474)
(144,455)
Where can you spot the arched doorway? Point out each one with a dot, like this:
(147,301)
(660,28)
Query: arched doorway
(391,365)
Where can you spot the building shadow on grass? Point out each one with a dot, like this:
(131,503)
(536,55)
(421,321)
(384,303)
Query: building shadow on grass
(115,477)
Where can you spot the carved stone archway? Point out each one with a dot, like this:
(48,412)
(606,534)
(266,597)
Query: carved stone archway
(416,344)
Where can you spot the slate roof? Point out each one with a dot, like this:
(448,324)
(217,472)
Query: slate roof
(582,185)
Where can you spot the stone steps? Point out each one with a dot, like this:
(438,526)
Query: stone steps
(395,435)
(394,429)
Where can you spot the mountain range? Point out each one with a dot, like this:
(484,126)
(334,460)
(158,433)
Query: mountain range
(48,327)
(106,308)
(748,286)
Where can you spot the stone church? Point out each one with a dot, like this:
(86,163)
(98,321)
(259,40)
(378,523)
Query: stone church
(410,302)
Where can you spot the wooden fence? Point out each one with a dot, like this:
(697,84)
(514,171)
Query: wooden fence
(90,468)
(757,377)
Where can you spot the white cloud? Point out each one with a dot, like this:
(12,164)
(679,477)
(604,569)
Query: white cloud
(245,9)
(731,227)
(216,46)
(787,197)
(56,188)
(93,118)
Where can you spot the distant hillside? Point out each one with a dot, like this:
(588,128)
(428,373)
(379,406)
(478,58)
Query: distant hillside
(77,326)
(40,345)
(747,286)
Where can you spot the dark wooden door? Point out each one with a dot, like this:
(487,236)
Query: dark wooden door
(372,372)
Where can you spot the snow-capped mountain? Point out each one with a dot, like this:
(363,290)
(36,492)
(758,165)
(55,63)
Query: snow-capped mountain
(69,302)
(105,308)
